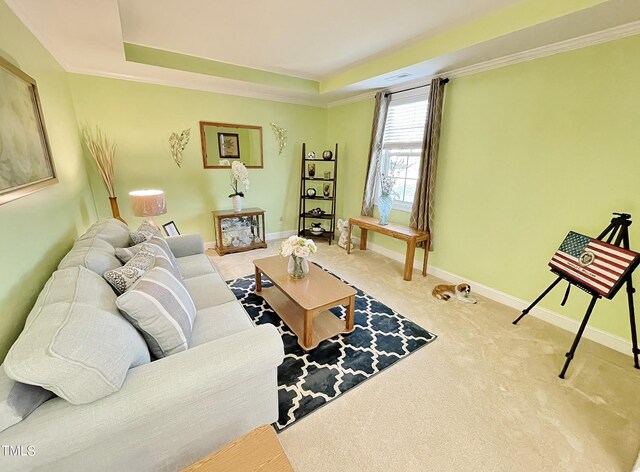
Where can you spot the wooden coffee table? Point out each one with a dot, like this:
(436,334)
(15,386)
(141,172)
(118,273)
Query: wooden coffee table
(303,304)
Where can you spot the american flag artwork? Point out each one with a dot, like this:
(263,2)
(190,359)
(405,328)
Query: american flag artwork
(593,264)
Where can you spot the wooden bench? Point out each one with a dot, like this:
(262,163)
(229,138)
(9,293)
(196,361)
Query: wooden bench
(412,236)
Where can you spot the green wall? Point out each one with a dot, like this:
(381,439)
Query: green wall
(140,117)
(39,229)
(528,152)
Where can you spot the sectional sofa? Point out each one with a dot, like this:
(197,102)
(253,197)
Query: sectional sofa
(155,415)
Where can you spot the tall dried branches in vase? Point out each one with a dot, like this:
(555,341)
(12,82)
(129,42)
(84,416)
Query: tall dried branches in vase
(103,153)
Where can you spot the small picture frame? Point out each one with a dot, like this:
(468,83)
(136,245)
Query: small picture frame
(171,229)
(229,145)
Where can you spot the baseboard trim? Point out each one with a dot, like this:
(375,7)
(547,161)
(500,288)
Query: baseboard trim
(568,324)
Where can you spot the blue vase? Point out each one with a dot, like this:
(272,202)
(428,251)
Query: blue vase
(385,202)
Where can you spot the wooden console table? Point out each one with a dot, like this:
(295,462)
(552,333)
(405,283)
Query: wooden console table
(412,237)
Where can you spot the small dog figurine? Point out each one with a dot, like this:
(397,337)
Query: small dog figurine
(459,292)
(343,227)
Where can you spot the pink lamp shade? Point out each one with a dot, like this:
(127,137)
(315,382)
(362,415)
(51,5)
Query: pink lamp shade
(148,203)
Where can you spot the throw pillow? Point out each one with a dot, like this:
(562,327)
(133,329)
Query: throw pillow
(144,233)
(122,278)
(18,400)
(164,256)
(161,308)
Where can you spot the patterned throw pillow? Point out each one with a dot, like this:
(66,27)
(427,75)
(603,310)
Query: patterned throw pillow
(144,233)
(164,256)
(161,308)
(122,278)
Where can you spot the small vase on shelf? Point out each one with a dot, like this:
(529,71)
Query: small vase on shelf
(236,203)
(385,202)
(298,267)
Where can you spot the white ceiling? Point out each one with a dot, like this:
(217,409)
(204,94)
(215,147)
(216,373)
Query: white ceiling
(297,38)
(304,38)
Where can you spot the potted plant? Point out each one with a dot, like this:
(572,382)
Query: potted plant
(239,176)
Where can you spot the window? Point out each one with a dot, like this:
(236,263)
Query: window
(402,143)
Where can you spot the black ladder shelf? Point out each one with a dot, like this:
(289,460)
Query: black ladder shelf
(319,200)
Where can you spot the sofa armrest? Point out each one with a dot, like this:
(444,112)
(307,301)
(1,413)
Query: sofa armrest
(168,413)
(186,245)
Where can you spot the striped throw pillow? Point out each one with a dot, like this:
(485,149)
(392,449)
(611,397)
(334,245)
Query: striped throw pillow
(161,308)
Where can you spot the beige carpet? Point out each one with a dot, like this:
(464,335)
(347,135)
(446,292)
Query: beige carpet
(485,396)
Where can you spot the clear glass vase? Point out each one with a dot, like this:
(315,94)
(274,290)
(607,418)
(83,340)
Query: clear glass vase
(385,202)
(298,267)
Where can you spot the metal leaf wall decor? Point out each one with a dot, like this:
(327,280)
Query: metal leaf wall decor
(177,143)
(281,136)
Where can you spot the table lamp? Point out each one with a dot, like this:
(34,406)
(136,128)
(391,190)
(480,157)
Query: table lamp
(148,203)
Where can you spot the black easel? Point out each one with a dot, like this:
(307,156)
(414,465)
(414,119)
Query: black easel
(617,233)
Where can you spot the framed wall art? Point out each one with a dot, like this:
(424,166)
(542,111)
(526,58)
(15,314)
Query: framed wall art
(26,165)
(229,144)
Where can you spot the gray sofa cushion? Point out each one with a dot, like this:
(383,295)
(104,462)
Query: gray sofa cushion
(77,351)
(194,266)
(75,284)
(110,230)
(18,400)
(75,342)
(208,290)
(161,308)
(218,322)
(93,253)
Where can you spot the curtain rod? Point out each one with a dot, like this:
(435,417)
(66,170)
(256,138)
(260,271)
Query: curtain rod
(442,81)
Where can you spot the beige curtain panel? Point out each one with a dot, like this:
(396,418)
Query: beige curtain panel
(423,201)
(375,152)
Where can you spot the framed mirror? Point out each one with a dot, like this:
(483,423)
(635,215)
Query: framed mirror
(223,143)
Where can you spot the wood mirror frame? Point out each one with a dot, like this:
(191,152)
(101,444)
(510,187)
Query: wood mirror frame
(234,129)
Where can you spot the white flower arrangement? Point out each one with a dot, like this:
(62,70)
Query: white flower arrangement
(297,246)
(239,175)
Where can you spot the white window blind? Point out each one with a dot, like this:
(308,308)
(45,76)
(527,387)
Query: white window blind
(402,144)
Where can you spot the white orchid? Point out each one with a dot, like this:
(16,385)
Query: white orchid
(239,174)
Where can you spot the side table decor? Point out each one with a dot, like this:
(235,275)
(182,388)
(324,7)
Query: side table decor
(385,200)
(239,175)
(298,249)
(103,153)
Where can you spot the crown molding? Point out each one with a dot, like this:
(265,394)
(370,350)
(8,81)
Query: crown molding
(591,39)
(213,88)
(353,99)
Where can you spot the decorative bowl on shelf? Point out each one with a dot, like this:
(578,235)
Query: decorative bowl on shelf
(327,155)
(316,229)
(316,212)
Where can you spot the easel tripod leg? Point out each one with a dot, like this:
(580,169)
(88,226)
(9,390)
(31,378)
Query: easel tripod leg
(535,302)
(632,321)
(576,341)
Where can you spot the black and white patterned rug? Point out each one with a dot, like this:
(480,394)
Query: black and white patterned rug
(309,380)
